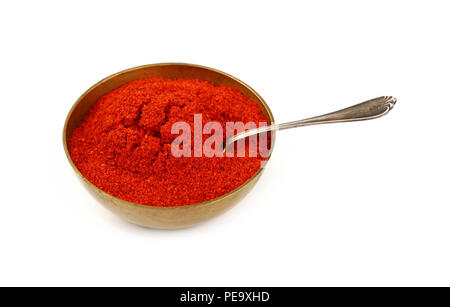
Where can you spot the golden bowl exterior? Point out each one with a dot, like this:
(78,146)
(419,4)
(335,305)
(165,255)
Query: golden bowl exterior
(152,216)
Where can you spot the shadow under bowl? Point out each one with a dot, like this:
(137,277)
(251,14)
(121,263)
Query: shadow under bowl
(152,216)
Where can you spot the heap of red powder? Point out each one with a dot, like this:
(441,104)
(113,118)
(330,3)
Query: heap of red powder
(123,146)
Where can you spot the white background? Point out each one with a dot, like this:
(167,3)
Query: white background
(348,204)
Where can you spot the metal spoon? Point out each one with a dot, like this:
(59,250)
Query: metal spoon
(370,109)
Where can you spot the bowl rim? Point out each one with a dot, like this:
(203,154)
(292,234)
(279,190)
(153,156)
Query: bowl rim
(175,207)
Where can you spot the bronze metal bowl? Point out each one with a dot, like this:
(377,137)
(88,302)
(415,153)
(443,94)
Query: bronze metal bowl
(151,216)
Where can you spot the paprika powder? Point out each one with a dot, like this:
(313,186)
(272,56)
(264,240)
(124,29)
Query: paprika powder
(123,145)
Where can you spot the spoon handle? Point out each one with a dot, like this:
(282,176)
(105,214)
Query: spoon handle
(370,109)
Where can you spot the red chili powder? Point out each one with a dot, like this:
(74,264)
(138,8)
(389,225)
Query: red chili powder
(123,145)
